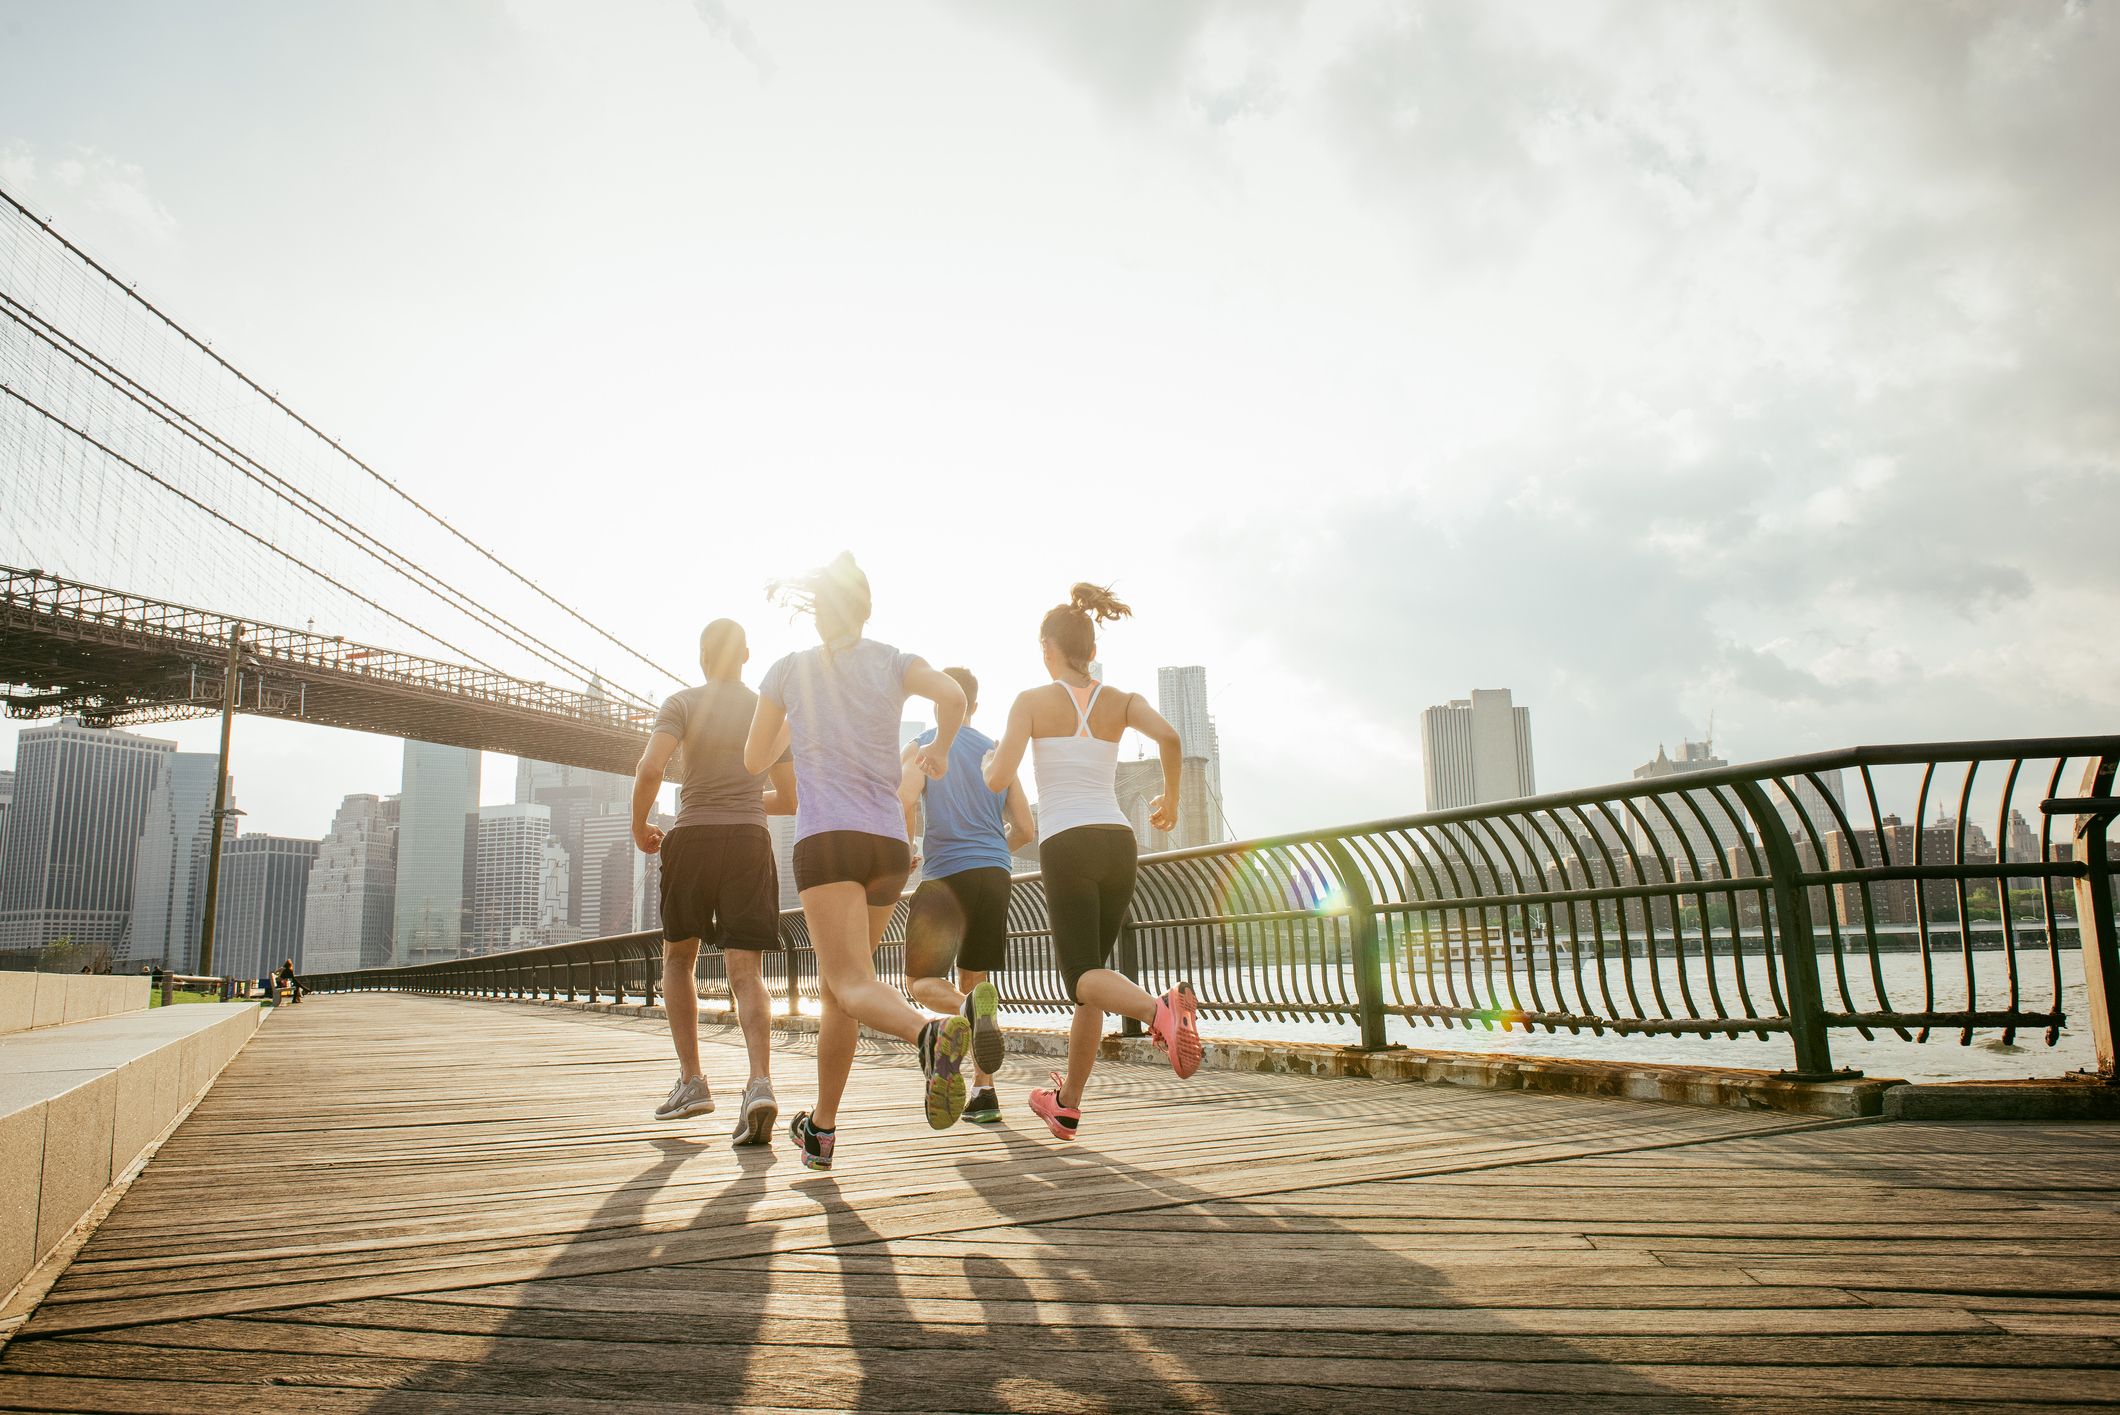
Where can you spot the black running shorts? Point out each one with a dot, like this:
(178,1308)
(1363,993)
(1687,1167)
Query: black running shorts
(879,864)
(719,886)
(960,918)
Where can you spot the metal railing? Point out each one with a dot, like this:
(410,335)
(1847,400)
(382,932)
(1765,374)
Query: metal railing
(1786,897)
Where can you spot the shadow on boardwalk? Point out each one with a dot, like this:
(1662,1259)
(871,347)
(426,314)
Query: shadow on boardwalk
(1159,1295)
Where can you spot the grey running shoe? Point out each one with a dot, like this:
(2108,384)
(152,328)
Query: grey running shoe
(686,1098)
(982,1008)
(754,1123)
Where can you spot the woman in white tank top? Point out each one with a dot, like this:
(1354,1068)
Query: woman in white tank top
(1086,845)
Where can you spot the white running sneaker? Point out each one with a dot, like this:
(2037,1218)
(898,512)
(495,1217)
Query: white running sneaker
(686,1098)
(754,1122)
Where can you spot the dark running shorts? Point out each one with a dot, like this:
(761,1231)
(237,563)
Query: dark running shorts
(879,864)
(962,918)
(719,886)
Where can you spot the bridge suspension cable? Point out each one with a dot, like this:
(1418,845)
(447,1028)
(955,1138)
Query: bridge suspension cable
(239,529)
(216,446)
(143,377)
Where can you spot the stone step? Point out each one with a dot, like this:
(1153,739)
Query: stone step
(80,1101)
(50,999)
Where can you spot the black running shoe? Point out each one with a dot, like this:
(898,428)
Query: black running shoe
(982,1106)
(815,1144)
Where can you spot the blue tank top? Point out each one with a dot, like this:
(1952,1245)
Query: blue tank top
(967,827)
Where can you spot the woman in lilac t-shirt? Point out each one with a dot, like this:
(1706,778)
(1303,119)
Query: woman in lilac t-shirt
(842,702)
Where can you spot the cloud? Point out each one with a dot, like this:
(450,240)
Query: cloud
(1215,58)
(1808,323)
(92,181)
(725,25)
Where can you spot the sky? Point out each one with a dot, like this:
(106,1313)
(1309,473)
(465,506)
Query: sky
(1660,362)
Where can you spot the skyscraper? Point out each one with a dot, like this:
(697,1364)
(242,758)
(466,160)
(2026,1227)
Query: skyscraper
(1181,696)
(607,861)
(575,795)
(521,879)
(73,833)
(7,796)
(169,880)
(264,894)
(1475,750)
(1709,845)
(436,852)
(353,888)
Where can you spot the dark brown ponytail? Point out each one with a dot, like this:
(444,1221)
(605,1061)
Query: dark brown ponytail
(1072,627)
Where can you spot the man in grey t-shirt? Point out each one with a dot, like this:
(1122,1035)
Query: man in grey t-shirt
(718,876)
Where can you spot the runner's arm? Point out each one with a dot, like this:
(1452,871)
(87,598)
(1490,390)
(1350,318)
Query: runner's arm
(647,785)
(1001,763)
(780,798)
(941,690)
(1022,829)
(911,782)
(768,736)
(1163,811)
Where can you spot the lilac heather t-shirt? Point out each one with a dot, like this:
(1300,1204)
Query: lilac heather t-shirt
(843,708)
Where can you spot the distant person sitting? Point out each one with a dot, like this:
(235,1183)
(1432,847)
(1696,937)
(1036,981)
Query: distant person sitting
(286,979)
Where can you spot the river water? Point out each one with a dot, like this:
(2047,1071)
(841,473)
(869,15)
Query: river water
(1884,1054)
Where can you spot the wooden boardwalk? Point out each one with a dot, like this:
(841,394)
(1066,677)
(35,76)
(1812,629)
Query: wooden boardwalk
(404,1204)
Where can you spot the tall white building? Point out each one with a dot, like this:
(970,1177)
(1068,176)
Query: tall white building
(258,915)
(169,879)
(1475,750)
(7,796)
(353,888)
(606,871)
(1181,699)
(516,892)
(1181,696)
(73,834)
(436,853)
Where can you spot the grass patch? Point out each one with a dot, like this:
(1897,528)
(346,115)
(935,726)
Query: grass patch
(154,997)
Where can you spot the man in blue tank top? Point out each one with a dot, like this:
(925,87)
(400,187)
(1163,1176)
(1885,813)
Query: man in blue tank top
(960,912)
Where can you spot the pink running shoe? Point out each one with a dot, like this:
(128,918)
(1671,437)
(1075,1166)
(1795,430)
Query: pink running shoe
(1177,1029)
(1060,1119)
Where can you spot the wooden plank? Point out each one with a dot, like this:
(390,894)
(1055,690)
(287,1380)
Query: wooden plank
(452,1236)
(900,1378)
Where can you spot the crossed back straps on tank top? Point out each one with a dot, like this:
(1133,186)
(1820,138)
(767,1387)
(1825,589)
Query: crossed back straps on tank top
(1084,701)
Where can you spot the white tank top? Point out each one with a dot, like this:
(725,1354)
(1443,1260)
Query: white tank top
(1076,776)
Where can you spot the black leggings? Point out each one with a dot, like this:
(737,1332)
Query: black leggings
(1089,881)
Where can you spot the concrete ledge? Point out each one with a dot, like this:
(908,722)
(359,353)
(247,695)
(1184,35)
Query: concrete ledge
(1731,1087)
(79,1103)
(30,1000)
(2067,1099)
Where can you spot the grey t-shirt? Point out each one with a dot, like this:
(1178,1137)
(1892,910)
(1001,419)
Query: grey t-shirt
(843,712)
(710,723)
